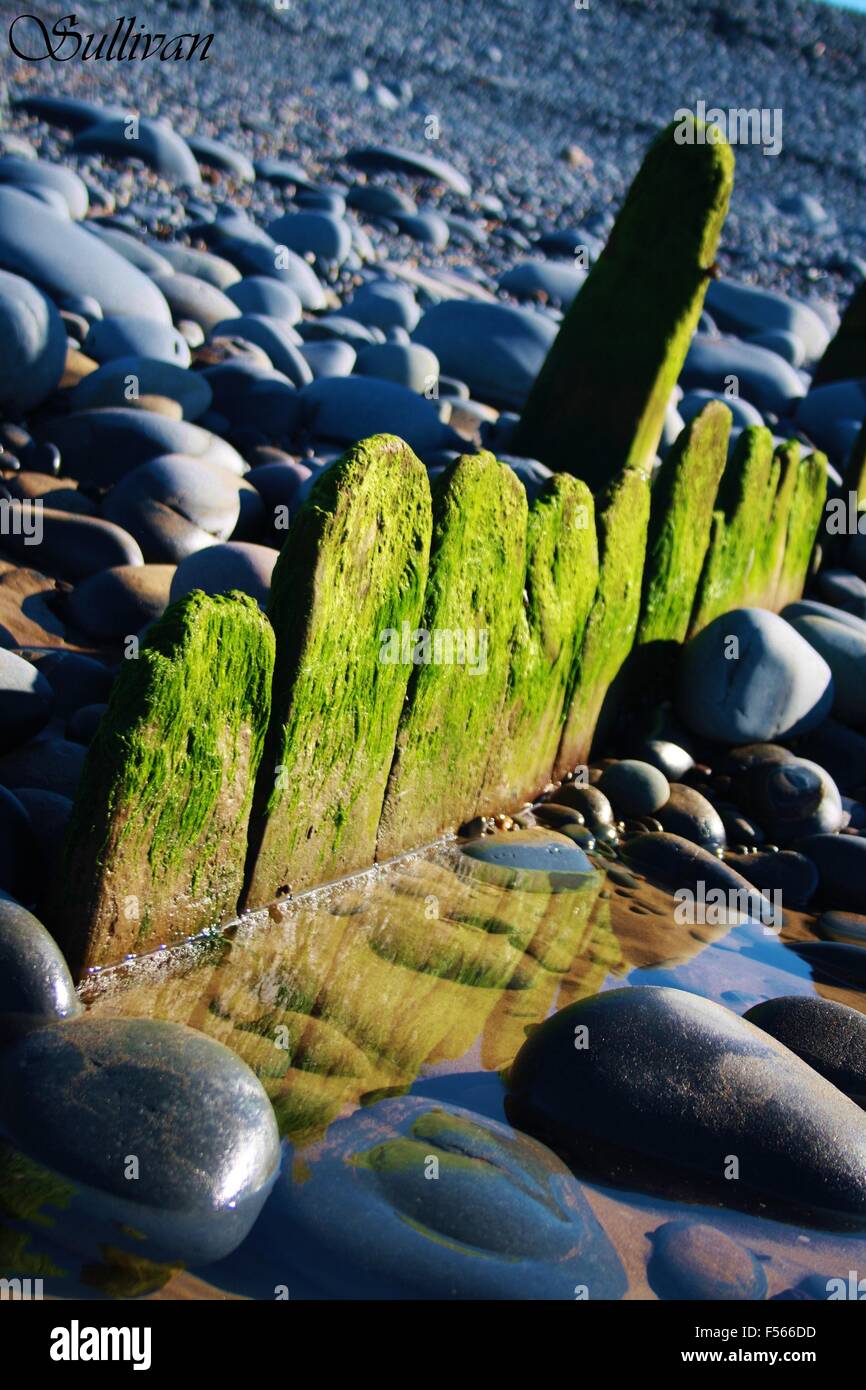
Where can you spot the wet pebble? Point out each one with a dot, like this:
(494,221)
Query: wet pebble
(691,1260)
(634,788)
(828,1036)
(34,978)
(82,1096)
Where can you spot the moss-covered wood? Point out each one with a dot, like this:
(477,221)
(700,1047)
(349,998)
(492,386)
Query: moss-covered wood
(745,493)
(681,512)
(560,585)
(155,845)
(347,588)
(622,518)
(599,402)
(473,601)
(845,356)
(804,520)
(770,552)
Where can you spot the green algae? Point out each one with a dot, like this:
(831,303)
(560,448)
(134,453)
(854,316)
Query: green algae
(845,355)
(353,568)
(121,1275)
(154,851)
(599,402)
(804,521)
(475,587)
(560,585)
(772,538)
(622,519)
(681,508)
(26,1188)
(745,493)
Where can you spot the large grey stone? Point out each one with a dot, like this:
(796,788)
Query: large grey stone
(749,676)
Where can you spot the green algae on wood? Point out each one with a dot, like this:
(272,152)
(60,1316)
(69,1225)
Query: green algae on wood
(622,514)
(449,728)
(845,355)
(560,585)
(681,512)
(772,537)
(804,520)
(745,494)
(346,591)
(599,402)
(156,842)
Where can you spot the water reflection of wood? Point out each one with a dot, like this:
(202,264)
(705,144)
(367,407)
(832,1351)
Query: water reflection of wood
(357,990)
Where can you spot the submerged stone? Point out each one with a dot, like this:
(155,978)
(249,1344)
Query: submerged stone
(414,1198)
(348,584)
(677,1080)
(691,1260)
(609,376)
(455,696)
(155,846)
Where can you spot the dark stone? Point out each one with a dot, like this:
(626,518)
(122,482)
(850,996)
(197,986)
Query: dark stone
(792,875)
(679,863)
(679,1081)
(634,788)
(690,815)
(791,799)
(76,680)
(17,845)
(841,864)
(34,979)
(829,1036)
(26,700)
(832,962)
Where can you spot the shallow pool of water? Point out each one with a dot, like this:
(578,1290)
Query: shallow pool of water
(422,977)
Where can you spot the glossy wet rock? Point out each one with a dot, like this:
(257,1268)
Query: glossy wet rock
(829,1036)
(34,978)
(83,1096)
(417,1199)
(791,799)
(634,788)
(690,815)
(691,1261)
(533,860)
(682,1082)
(841,864)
